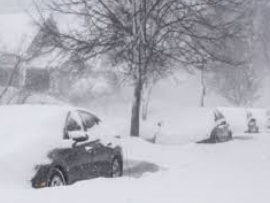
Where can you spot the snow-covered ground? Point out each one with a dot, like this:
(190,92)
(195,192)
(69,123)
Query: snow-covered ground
(232,172)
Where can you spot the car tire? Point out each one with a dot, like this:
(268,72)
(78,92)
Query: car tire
(56,179)
(116,169)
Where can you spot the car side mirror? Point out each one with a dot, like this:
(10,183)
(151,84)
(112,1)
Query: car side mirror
(77,136)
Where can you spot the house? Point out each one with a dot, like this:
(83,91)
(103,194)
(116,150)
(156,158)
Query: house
(48,71)
(35,74)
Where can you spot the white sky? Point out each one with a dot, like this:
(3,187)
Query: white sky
(10,6)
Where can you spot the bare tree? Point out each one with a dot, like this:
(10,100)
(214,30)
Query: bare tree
(146,36)
(261,33)
(239,85)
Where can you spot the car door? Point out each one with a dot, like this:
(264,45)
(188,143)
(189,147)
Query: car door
(101,159)
(79,159)
(76,164)
(100,153)
(89,167)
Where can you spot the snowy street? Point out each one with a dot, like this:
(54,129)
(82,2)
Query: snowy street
(234,172)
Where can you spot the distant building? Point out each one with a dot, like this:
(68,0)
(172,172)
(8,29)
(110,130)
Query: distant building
(48,71)
(35,75)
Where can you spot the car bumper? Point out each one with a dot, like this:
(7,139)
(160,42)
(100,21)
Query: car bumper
(41,177)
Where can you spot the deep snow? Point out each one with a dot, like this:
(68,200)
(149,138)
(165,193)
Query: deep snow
(232,172)
(28,133)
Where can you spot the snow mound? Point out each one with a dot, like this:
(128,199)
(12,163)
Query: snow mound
(29,132)
(226,173)
(189,125)
(237,118)
(27,135)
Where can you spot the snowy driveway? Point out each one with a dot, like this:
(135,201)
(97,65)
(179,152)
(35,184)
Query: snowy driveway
(232,172)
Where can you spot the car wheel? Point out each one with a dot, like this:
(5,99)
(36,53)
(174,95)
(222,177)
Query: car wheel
(116,168)
(57,179)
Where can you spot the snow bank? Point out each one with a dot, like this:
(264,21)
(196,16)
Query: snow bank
(14,96)
(188,125)
(44,99)
(237,118)
(27,134)
(261,116)
(181,126)
(227,173)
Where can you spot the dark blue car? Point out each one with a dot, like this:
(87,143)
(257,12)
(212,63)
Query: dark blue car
(64,136)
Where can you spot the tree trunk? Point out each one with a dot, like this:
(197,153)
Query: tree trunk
(138,55)
(203,91)
(146,94)
(202,97)
(135,114)
(145,110)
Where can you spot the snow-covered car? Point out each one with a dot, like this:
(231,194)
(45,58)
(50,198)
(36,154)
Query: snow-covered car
(55,145)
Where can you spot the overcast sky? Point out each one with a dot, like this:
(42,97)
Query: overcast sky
(10,6)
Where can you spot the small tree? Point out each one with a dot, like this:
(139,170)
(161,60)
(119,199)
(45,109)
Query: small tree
(203,69)
(238,85)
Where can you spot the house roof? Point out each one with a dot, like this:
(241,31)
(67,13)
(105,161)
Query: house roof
(18,34)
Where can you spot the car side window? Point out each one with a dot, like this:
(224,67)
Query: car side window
(89,120)
(73,125)
(74,122)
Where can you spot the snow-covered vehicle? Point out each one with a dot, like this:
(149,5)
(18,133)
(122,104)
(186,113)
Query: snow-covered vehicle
(55,145)
(221,132)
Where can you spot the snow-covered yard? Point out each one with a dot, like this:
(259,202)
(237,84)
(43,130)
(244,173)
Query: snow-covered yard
(232,172)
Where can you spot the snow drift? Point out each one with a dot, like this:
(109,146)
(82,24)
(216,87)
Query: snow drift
(27,134)
(189,125)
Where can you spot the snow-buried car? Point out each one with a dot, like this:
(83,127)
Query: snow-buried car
(221,132)
(55,145)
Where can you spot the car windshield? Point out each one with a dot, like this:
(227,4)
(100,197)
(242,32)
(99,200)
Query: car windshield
(89,120)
